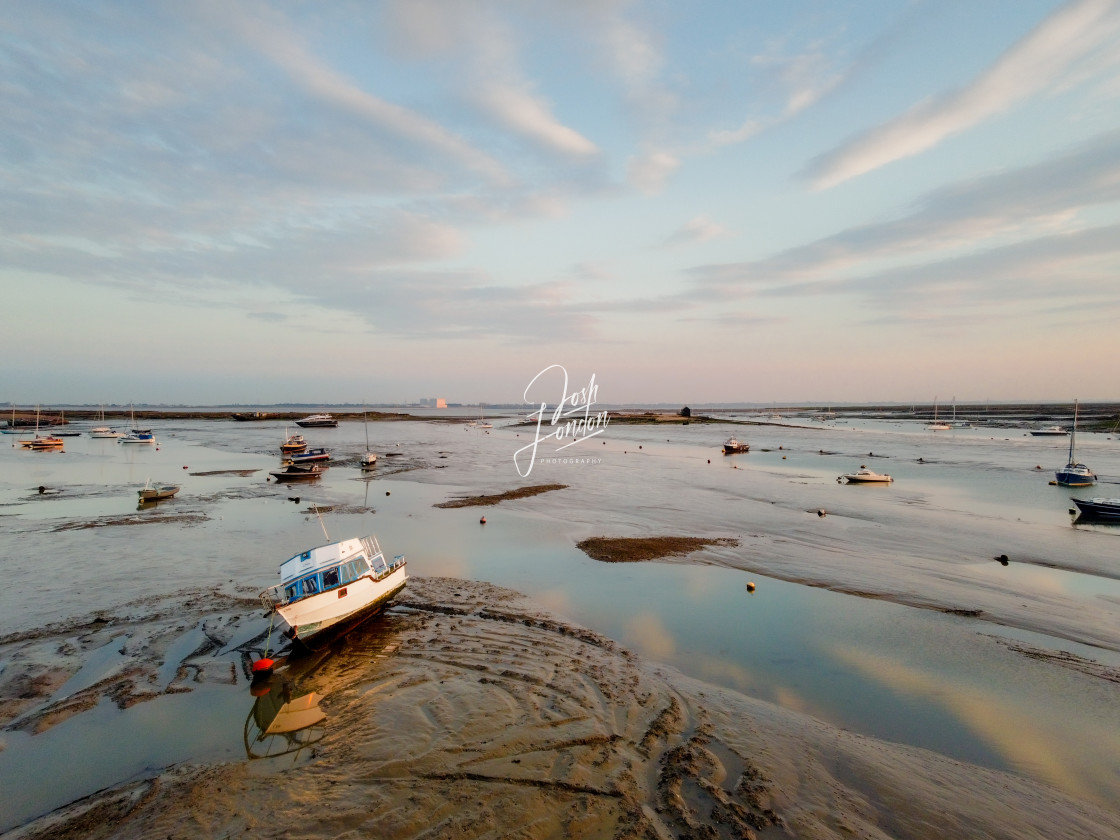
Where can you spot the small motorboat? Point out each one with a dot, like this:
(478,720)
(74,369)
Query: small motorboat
(1106,510)
(308,457)
(1050,431)
(294,443)
(319,421)
(298,472)
(734,445)
(334,584)
(865,476)
(147,493)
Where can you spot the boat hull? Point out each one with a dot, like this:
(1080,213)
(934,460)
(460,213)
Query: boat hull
(154,494)
(336,608)
(1075,475)
(297,474)
(1105,510)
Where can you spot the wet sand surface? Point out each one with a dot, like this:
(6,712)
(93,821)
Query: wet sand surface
(124,649)
(467,711)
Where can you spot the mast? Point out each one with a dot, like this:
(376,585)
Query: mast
(1073,433)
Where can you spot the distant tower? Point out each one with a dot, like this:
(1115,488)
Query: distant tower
(441,402)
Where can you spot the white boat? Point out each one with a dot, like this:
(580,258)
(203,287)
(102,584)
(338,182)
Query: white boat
(866,476)
(334,584)
(1074,474)
(104,431)
(317,421)
(935,426)
(137,435)
(1050,431)
(734,445)
(482,424)
(369,460)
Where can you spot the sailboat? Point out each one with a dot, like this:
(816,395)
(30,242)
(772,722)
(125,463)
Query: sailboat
(369,460)
(1074,474)
(482,424)
(41,443)
(935,426)
(137,435)
(103,431)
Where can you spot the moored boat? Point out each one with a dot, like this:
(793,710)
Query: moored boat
(1107,510)
(317,421)
(298,472)
(866,476)
(734,445)
(334,584)
(1050,431)
(147,493)
(294,443)
(308,457)
(1074,473)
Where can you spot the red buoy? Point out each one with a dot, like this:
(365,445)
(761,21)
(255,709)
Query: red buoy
(262,665)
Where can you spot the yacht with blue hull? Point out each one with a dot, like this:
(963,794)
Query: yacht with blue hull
(332,585)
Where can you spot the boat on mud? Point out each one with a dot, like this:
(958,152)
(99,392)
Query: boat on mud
(334,585)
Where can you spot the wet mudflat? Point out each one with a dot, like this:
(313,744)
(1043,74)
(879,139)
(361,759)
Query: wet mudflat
(888,615)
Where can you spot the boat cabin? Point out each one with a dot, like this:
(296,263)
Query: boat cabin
(330,567)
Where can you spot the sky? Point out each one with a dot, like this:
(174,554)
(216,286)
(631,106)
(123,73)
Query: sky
(387,200)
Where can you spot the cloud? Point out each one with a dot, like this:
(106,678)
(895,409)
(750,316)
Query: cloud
(1022,203)
(273,37)
(649,172)
(1041,61)
(697,229)
(518,110)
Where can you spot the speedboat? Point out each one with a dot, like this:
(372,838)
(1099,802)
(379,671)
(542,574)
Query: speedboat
(866,476)
(333,585)
(1104,509)
(732,446)
(298,472)
(317,421)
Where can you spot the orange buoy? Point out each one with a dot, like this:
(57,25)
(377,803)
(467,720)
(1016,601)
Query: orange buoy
(260,688)
(750,586)
(262,665)
(482,521)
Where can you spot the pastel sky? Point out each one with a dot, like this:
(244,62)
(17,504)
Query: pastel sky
(825,202)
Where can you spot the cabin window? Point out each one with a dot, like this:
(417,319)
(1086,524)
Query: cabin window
(354,569)
(292,592)
(330,579)
(310,585)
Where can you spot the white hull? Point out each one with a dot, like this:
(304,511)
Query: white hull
(310,616)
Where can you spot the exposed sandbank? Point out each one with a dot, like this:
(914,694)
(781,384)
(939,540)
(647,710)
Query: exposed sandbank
(469,712)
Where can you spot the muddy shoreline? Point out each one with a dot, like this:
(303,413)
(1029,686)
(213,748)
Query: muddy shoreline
(468,711)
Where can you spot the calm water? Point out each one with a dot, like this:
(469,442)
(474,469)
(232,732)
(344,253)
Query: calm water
(917,676)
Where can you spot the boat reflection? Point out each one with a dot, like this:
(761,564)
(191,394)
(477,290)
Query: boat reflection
(286,717)
(282,720)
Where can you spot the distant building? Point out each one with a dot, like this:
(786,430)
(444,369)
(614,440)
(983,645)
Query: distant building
(441,402)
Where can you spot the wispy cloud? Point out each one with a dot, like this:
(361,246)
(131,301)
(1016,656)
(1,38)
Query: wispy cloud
(1042,61)
(697,229)
(1021,203)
